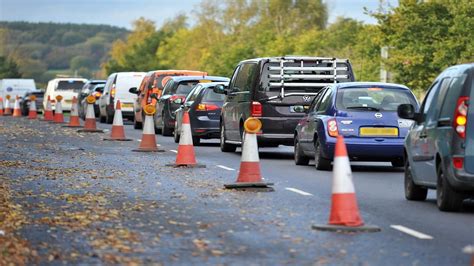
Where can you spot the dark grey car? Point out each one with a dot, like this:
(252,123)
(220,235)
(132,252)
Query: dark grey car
(204,107)
(439,149)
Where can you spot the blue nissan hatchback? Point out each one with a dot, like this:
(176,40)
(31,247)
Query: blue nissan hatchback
(365,113)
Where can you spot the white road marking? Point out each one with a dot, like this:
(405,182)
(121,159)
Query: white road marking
(175,151)
(301,192)
(469,249)
(411,232)
(225,167)
(139,140)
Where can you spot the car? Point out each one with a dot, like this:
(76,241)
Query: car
(364,113)
(270,88)
(117,88)
(94,90)
(204,108)
(154,82)
(16,87)
(439,148)
(177,87)
(66,87)
(86,90)
(26,101)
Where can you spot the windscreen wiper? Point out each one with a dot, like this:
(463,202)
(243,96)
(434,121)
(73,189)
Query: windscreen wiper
(370,108)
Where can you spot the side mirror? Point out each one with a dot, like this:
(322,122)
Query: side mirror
(299,109)
(154,96)
(133,90)
(220,89)
(406,111)
(178,101)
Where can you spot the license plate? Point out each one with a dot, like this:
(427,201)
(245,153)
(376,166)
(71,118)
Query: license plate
(127,105)
(378,131)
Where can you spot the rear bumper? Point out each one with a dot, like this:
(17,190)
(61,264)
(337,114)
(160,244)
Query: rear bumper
(206,133)
(278,130)
(204,127)
(460,180)
(367,149)
(283,139)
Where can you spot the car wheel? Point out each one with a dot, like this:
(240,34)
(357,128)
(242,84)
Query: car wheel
(165,129)
(300,158)
(102,119)
(196,141)
(176,133)
(109,119)
(137,125)
(412,190)
(320,162)
(398,162)
(446,198)
(225,147)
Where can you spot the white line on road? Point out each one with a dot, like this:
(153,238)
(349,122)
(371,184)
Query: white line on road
(411,232)
(225,167)
(301,192)
(175,151)
(139,139)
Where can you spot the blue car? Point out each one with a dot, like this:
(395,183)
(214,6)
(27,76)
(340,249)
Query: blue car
(364,113)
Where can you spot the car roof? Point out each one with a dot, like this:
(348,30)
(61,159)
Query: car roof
(212,84)
(96,81)
(186,78)
(258,59)
(460,68)
(174,71)
(364,84)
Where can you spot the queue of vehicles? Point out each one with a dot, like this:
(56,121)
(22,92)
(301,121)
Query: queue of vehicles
(306,102)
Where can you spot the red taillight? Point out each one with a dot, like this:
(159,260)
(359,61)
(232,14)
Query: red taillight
(458,162)
(207,107)
(332,128)
(460,116)
(256,109)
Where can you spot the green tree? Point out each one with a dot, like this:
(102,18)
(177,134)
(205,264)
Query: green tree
(8,69)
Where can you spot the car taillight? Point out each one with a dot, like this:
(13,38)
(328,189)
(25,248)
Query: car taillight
(460,116)
(207,107)
(256,109)
(112,92)
(332,128)
(458,162)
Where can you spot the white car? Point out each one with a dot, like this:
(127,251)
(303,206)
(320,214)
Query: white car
(66,87)
(15,87)
(116,88)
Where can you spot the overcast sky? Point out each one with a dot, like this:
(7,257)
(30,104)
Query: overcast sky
(123,12)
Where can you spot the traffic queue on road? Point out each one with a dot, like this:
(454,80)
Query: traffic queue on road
(309,103)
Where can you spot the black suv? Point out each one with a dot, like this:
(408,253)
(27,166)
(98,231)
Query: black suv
(277,90)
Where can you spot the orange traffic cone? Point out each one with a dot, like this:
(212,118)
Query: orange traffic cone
(48,111)
(58,112)
(118,131)
(8,109)
(186,156)
(74,118)
(16,108)
(32,114)
(148,143)
(344,211)
(1,106)
(249,173)
(89,124)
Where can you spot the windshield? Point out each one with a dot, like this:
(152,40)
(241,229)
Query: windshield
(211,96)
(75,85)
(186,87)
(373,99)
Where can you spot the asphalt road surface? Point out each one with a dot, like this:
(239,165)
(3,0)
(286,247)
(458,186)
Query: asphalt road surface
(91,201)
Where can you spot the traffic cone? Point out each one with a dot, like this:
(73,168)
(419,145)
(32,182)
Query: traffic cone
(344,210)
(58,113)
(249,173)
(74,118)
(8,109)
(1,106)
(48,111)
(118,131)
(148,143)
(186,156)
(32,114)
(16,108)
(89,124)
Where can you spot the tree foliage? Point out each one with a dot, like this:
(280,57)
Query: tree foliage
(8,69)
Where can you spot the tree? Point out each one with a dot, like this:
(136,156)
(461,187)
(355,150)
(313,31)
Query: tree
(8,69)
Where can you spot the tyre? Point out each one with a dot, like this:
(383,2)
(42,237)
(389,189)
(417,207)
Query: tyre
(398,162)
(320,162)
(300,158)
(165,129)
(102,119)
(176,133)
(196,141)
(446,198)
(225,147)
(109,119)
(137,125)
(412,190)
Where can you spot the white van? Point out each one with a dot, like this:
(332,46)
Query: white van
(66,87)
(116,88)
(15,87)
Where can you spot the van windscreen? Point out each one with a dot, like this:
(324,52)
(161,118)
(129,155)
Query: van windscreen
(186,87)
(74,85)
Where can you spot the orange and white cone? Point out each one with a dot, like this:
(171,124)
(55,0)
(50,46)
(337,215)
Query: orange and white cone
(186,156)
(58,113)
(16,108)
(8,109)
(118,131)
(1,106)
(148,143)
(344,210)
(249,173)
(74,117)
(48,111)
(90,124)
(32,113)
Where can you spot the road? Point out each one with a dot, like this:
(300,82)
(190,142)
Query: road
(91,201)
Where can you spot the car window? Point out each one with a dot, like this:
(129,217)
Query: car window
(75,85)
(427,106)
(167,88)
(211,96)
(234,78)
(325,101)
(451,94)
(186,87)
(194,93)
(245,77)
(316,99)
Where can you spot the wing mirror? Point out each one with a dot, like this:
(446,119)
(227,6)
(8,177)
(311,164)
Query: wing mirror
(220,89)
(154,96)
(133,90)
(178,101)
(407,111)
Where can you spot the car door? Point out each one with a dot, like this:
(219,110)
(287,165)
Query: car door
(421,150)
(167,91)
(106,94)
(229,108)
(187,105)
(307,124)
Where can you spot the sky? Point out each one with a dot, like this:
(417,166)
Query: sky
(122,12)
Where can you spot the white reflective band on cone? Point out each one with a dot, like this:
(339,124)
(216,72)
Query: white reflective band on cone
(342,176)
(118,121)
(149,126)
(17,104)
(250,148)
(59,108)
(74,111)
(33,106)
(186,138)
(90,111)
(48,106)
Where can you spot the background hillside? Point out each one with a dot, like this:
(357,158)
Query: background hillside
(42,50)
